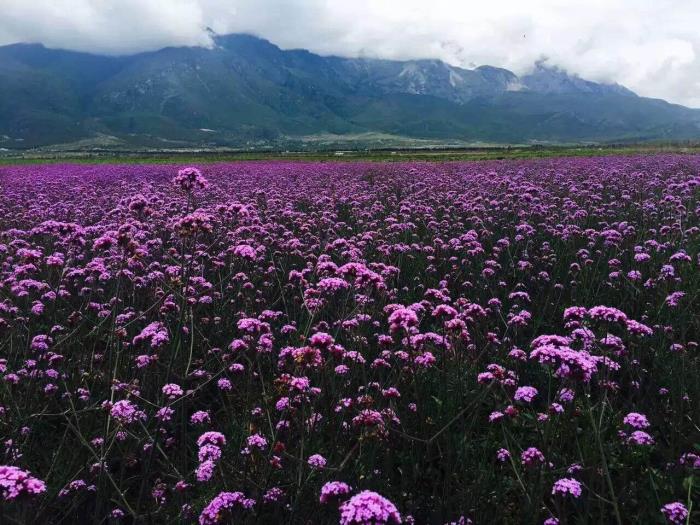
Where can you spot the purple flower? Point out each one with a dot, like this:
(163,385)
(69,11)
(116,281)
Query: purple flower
(40,343)
(571,363)
(691,460)
(224,384)
(317,461)
(189,178)
(165,414)
(566,486)
(256,441)
(531,457)
(333,490)
(607,313)
(639,437)
(209,452)
(368,418)
(218,509)
(675,512)
(172,390)
(142,361)
(155,334)
(402,318)
(525,394)
(502,455)
(273,495)
(368,508)
(212,438)
(15,482)
(245,251)
(425,360)
(201,417)
(674,299)
(566,395)
(205,470)
(636,420)
(333,285)
(126,412)
(495,416)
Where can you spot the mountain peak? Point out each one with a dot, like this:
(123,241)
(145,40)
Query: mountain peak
(247,91)
(552,79)
(236,40)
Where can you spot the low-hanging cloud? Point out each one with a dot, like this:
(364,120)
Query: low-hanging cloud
(650,46)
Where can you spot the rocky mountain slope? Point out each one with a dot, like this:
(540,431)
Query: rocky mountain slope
(247,91)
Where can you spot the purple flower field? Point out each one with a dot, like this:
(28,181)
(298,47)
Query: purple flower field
(352,343)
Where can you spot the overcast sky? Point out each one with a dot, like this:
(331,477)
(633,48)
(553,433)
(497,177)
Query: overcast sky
(650,46)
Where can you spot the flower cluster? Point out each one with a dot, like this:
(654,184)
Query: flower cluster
(363,343)
(15,482)
(190,178)
(368,508)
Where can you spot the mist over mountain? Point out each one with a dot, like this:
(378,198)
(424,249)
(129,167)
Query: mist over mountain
(247,92)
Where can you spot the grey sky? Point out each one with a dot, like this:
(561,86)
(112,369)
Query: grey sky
(651,46)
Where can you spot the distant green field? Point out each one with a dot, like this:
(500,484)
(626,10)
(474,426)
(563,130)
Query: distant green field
(456,154)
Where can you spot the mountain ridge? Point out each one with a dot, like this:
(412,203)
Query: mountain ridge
(246,91)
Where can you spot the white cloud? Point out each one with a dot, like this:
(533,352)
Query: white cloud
(651,46)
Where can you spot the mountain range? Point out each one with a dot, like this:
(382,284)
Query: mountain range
(246,92)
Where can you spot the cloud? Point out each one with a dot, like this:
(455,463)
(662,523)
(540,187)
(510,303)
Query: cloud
(651,46)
